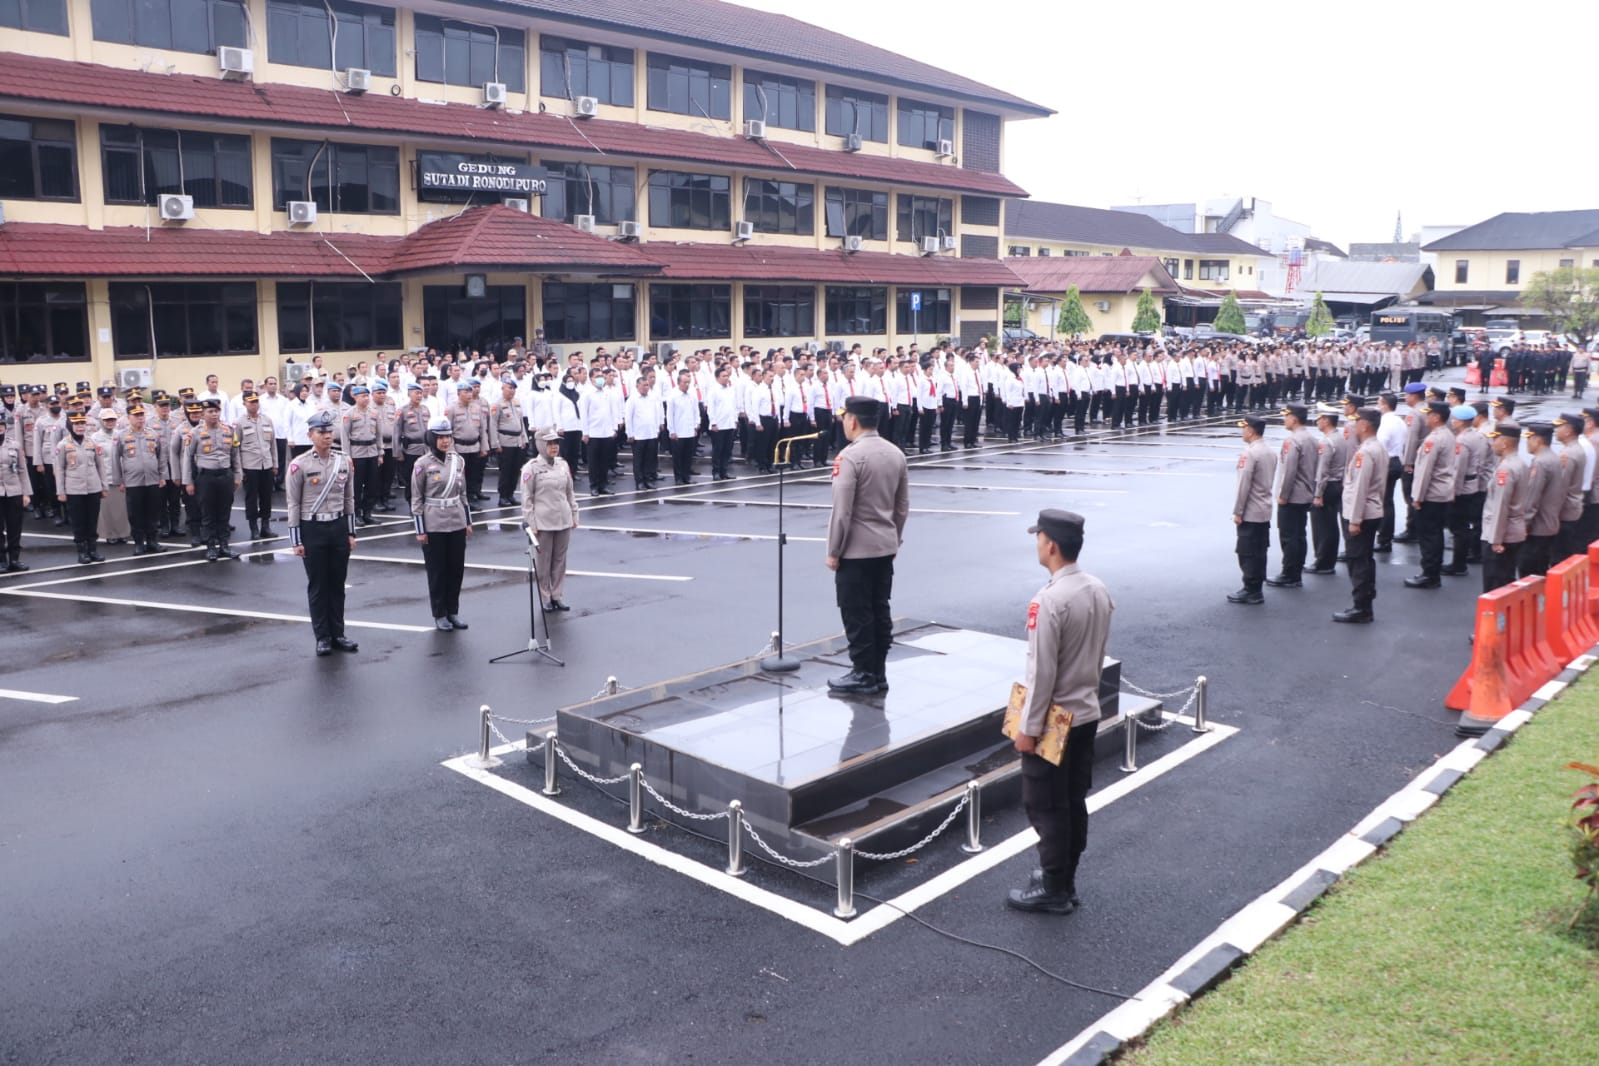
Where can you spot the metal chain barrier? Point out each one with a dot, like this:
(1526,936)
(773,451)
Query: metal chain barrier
(674,808)
(926,840)
(524,721)
(610,688)
(584,774)
(779,856)
(1167,721)
(503,738)
(769,648)
(1157,695)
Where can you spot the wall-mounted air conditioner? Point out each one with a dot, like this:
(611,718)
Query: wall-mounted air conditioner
(176,208)
(586,106)
(743,231)
(852,143)
(755,129)
(302,212)
(947,243)
(235,62)
(584,223)
(517,203)
(929,245)
(494,94)
(852,243)
(946,148)
(629,230)
(133,377)
(1103,306)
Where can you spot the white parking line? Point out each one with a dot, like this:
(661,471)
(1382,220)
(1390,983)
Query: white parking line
(838,930)
(1055,489)
(33,697)
(829,507)
(519,569)
(154,605)
(701,533)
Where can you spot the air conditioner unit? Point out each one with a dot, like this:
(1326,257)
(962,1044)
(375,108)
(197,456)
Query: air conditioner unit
(1103,306)
(584,223)
(662,350)
(176,208)
(852,243)
(629,230)
(517,203)
(947,243)
(2,214)
(293,373)
(586,106)
(946,148)
(743,231)
(929,245)
(494,94)
(835,347)
(133,377)
(815,347)
(755,129)
(235,61)
(852,143)
(357,80)
(302,212)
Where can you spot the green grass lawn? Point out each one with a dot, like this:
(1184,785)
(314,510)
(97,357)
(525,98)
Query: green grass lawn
(1449,948)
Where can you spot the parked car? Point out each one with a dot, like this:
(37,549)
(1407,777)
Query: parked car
(1136,339)
(1018,335)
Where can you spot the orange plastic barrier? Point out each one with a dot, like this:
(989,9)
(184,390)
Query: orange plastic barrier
(1569,628)
(1511,658)
(1593,592)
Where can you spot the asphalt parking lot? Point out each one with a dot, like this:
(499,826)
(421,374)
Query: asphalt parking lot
(220,849)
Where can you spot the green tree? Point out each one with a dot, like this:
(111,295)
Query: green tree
(1072,318)
(1230,319)
(1321,319)
(1570,297)
(1147,318)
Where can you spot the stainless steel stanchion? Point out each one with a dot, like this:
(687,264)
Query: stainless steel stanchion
(611,687)
(635,799)
(845,858)
(484,759)
(735,839)
(974,814)
(1201,725)
(1129,744)
(550,787)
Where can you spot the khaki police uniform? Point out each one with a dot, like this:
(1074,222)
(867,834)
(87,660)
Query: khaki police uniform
(211,471)
(1252,504)
(16,489)
(1504,522)
(443,516)
(549,508)
(871,500)
(139,469)
(320,494)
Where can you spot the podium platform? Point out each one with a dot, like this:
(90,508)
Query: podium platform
(810,767)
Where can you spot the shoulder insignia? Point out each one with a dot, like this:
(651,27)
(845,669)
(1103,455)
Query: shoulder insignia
(1504,475)
(1032,615)
(1241,460)
(837,462)
(294,468)
(1359,456)
(1427,447)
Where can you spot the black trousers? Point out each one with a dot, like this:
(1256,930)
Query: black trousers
(1536,554)
(722,452)
(511,459)
(1325,522)
(83,511)
(280,447)
(1568,541)
(144,512)
(213,491)
(445,556)
(1291,532)
(1362,564)
(1587,525)
(763,441)
(1013,424)
(1430,519)
(1465,526)
(1406,483)
(602,452)
(798,426)
(969,422)
(258,493)
(366,486)
(1499,568)
(172,505)
(1385,531)
(327,563)
(644,457)
(682,459)
(1254,539)
(864,587)
(829,441)
(44,489)
(571,449)
(926,418)
(1080,405)
(1579,383)
(11,526)
(476,463)
(1056,801)
(403,469)
(946,422)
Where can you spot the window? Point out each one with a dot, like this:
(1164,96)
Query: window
(681,312)
(1512,272)
(468,196)
(1566,264)
(359,179)
(464,53)
(932,318)
(1188,269)
(1170,265)
(38,158)
(583,314)
(780,206)
(339,316)
(856,310)
(779,311)
(488,323)
(186,318)
(784,102)
(1043,252)
(1019,249)
(857,111)
(924,125)
(183,25)
(143,164)
(1213,270)
(43,322)
(690,201)
(569,69)
(857,213)
(580,189)
(925,216)
(40,16)
(1462,269)
(689,87)
(300,33)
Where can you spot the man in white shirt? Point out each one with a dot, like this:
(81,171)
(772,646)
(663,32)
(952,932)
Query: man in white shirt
(275,406)
(1391,434)
(722,416)
(643,420)
(599,417)
(682,426)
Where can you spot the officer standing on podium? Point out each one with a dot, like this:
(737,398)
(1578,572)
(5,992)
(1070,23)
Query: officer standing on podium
(320,486)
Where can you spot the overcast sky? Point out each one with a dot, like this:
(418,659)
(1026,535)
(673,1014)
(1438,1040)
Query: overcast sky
(1446,112)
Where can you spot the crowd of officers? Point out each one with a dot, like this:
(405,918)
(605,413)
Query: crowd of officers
(1461,470)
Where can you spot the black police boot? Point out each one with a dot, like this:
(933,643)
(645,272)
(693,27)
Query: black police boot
(60,519)
(345,644)
(154,547)
(211,553)
(1246,595)
(1355,614)
(266,528)
(1285,581)
(255,530)
(854,681)
(1043,896)
(442,625)
(362,519)
(225,552)
(89,550)
(324,647)
(455,621)
(195,540)
(16,565)
(1423,581)
(1322,570)
(83,551)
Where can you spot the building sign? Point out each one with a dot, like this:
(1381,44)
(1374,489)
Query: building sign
(453,172)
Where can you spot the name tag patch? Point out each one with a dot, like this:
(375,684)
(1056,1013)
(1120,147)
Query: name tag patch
(1032,615)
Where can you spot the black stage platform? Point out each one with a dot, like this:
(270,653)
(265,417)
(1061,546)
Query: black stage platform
(809,767)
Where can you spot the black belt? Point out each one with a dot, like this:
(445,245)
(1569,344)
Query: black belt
(362,443)
(216,473)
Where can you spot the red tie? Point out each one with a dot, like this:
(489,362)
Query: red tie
(827,396)
(624,388)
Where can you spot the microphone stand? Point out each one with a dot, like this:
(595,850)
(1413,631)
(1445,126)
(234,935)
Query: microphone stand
(778,663)
(535,610)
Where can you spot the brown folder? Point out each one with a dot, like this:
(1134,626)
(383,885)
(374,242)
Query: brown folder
(1051,746)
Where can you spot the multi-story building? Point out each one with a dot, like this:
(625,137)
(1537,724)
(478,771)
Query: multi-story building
(1481,270)
(249,181)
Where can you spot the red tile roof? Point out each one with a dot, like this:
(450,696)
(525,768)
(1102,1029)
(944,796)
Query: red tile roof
(489,236)
(1091,273)
(263,103)
(751,262)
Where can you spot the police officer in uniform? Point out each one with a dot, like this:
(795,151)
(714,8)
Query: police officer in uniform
(16,489)
(549,509)
(443,517)
(1573,468)
(1432,492)
(1326,509)
(139,470)
(320,487)
(1068,624)
(1465,515)
(470,421)
(1546,494)
(1296,491)
(1365,485)
(1257,469)
(1504,512)
(48,429)
(361,438)
(871,500)
(179,445)
(410,435)
(258,459)
(508,439)
(80,486)
(211,474)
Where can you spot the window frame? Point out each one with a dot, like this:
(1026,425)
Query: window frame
(239,147)
(691,299)
(671,192)
(57,23)
(1462,271)
(855,206)
(763,205)
(873,299)
(874,105)
(565,175)
(1215,270)
(1512,272)
(936,313)
(229,313)
(568,295)
(36,166)
(230,30)
(777,302)
(916,115)
(13,306)
(350,15)
(383,305)
(330,159)
(610,57)
(757,82)
(509,62)
(909,205)
(661,69)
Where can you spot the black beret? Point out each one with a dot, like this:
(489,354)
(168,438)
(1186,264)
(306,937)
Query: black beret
(1569,419)
(211,401)
(1057,525)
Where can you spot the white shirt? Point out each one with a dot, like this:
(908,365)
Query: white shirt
(721,407)
(683,413)
(1587,467)
(277,409)
(297,412)
(643,416)
(1391,434)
